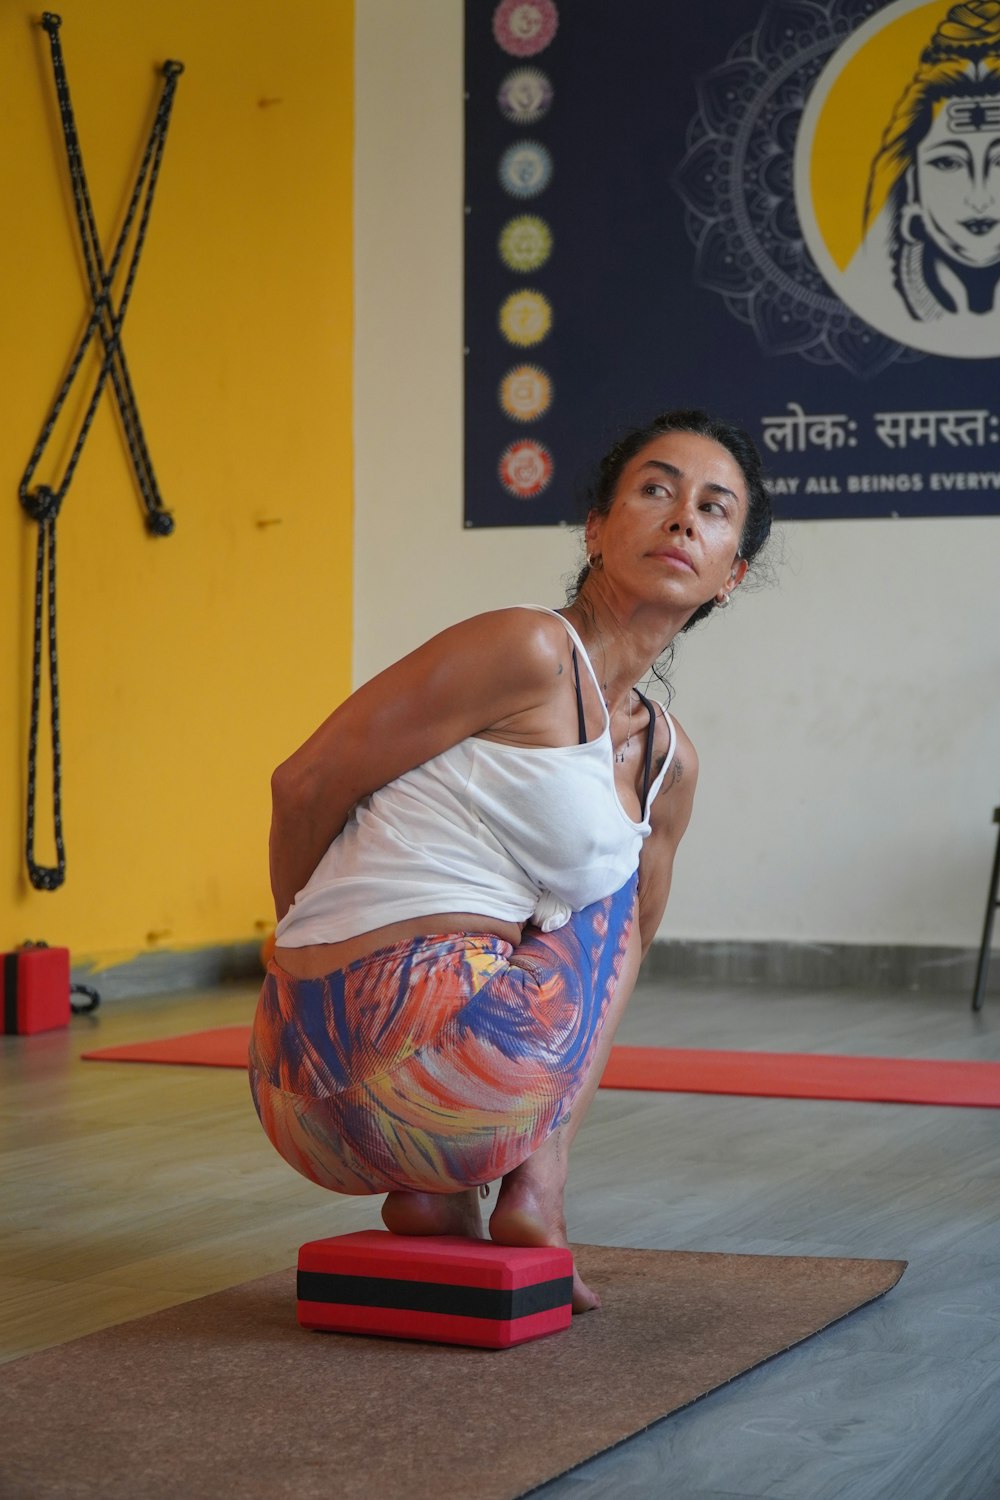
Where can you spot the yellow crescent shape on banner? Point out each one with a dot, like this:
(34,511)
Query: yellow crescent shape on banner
(847,114)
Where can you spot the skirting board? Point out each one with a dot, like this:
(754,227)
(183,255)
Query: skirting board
(170,971)
(777,964)
(822,965)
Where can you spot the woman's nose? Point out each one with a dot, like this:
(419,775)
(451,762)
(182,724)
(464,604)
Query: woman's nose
(683,518)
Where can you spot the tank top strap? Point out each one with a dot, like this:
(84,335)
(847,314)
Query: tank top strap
(647,775)
(543,609)
(580,716)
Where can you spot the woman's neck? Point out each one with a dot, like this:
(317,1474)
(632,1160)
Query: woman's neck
(622,651)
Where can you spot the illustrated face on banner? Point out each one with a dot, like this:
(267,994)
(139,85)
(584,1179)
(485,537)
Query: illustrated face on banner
(956,181)
(915,92)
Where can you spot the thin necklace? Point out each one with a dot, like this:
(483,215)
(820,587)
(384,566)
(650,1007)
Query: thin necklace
(621,754)
(618,754)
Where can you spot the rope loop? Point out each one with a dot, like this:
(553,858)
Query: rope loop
(93,999)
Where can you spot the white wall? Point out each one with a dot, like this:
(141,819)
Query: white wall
(847,719)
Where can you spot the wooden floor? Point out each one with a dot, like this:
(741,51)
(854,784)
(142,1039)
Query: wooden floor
(128,1188)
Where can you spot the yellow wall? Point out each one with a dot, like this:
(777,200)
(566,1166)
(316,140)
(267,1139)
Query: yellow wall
(190,665)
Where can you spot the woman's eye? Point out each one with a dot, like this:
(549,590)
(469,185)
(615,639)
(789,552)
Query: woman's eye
(656,490)
(946,163)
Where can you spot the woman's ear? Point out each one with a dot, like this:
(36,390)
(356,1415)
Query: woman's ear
(592,533)
(738,573)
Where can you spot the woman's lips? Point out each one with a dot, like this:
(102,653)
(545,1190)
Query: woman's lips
(980,226)
(675,555)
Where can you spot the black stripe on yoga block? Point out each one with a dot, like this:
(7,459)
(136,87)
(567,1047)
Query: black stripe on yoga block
(10,962)
(434,1296)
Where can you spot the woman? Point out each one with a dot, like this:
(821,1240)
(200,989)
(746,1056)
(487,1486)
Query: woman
(938,172)
(471,855)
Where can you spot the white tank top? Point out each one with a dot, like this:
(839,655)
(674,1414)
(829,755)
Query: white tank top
(519,834)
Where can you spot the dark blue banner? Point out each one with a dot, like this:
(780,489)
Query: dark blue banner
(786,213)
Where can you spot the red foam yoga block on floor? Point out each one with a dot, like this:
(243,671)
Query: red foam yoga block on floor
(439,1288)
(34,990)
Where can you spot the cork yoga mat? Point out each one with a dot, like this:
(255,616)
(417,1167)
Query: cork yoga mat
(226,1395)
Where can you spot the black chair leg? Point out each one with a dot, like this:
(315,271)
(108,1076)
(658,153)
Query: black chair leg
(993,901)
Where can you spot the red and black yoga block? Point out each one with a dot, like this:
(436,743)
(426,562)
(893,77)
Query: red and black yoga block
(34,990)
(440,1288)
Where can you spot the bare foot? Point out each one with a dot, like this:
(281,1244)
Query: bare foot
(524,1215)
(434,1213)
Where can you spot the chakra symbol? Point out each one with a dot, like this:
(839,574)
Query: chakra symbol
(525,243)
(525,318)
(525,96)
(525,169)
(525,393)
(525,468)
(524,27)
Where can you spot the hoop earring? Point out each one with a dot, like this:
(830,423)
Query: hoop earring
(723,603)
(911,215)
(594,560)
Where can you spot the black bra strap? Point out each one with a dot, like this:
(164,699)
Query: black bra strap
(581,720)
(647,775)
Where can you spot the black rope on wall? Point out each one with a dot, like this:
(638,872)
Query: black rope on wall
(44,503)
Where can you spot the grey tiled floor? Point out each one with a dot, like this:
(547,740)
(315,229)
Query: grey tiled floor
(160,1191)
(900,1401)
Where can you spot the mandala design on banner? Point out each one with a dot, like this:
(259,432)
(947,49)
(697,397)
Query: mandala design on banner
(525,27)
(737,184)
(525,318)
(525,393)
(525,96)
(525,169)
(525,243)
(525,468)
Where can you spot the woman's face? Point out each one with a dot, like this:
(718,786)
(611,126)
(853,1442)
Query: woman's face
(672,534)
(958,181)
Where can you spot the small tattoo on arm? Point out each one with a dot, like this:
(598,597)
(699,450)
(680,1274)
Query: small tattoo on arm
(677,771)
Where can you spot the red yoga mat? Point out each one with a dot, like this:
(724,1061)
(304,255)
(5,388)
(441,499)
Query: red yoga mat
(225,1047)
(804,1075)
(682,1070)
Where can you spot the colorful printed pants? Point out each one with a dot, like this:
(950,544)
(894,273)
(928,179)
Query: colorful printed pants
(437,1063)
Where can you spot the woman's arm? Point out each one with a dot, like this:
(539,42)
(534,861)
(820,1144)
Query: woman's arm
(497,667)
(671,813)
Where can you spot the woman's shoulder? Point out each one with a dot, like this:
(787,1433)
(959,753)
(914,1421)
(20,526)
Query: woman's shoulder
(671,809)
(524,620)
(523,636)
(685,755)
(671,739)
